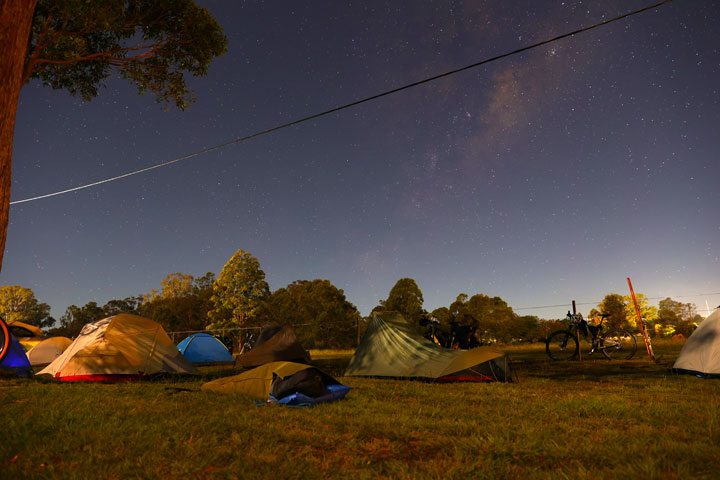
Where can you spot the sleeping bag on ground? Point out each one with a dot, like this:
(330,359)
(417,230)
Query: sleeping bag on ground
(282,382)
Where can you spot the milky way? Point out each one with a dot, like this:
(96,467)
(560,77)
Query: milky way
(543,177)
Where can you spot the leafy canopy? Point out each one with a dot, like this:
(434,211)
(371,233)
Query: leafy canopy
(18,304)
(238,292)
(76,44)
(322,316)
(405,297)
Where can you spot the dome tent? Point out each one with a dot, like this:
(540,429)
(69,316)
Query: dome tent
(48,350)
(118,348)
(201,348)
(701,353)
(13,360)
(392,348)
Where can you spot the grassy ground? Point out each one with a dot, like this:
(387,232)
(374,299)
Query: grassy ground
(621,419)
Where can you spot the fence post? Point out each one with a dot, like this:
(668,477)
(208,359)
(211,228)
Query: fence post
(577,333)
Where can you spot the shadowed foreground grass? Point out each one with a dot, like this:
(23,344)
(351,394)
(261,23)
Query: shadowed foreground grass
(623,419)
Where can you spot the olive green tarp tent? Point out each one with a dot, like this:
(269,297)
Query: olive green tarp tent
(392,348)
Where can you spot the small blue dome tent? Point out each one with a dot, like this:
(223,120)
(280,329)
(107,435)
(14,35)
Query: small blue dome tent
(14,361)
(202,348)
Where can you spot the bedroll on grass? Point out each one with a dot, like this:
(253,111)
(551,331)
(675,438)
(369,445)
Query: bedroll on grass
(282,382)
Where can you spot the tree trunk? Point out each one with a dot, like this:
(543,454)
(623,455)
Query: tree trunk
(15,21)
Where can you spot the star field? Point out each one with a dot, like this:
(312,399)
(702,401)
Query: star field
(543,177)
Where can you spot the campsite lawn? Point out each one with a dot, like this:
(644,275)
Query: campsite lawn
(626,419)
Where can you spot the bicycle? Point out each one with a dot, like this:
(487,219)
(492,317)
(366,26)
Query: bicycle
(615,343)
(246,344)
(461,337)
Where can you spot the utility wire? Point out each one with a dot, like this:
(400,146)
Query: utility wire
(348,105)
(598,302)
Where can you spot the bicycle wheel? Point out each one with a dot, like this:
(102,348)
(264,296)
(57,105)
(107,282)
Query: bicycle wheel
(618,344)
(4,339)
(561,345)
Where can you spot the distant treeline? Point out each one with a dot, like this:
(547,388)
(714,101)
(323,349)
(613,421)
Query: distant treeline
(323,318)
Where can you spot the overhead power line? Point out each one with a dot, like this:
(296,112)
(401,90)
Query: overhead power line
(348,105)
(599,301)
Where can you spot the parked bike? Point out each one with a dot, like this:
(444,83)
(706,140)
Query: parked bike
(616,343)
(460,337)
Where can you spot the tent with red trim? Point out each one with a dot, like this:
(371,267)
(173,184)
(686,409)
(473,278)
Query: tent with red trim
(118,348)
(393,348)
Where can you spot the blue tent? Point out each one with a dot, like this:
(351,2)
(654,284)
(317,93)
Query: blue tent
(204,348)
(15,362)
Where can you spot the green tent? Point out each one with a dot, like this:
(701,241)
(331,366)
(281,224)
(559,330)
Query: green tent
(392,348)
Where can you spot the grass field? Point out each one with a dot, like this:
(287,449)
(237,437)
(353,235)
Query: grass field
(590,419)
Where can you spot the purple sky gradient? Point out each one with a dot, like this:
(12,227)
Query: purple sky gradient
(548,176)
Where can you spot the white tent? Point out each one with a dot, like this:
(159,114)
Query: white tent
(701,353)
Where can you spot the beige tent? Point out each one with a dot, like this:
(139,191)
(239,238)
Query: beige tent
(122,347)
(48,350)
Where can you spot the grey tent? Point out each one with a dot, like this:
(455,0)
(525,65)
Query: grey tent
(392,348)
(275,343)
(701,353)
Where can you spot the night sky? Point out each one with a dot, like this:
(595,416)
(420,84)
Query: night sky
(544,177)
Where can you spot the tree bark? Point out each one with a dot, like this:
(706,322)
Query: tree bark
(15,22)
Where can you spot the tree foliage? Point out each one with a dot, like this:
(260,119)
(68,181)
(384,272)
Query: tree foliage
(238,292)
(614,305)
(75,318)
(494,319)
(76,45)
(675,318)
(182,304)
(19,304)
(647,312)
(322,316)
(406,298)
